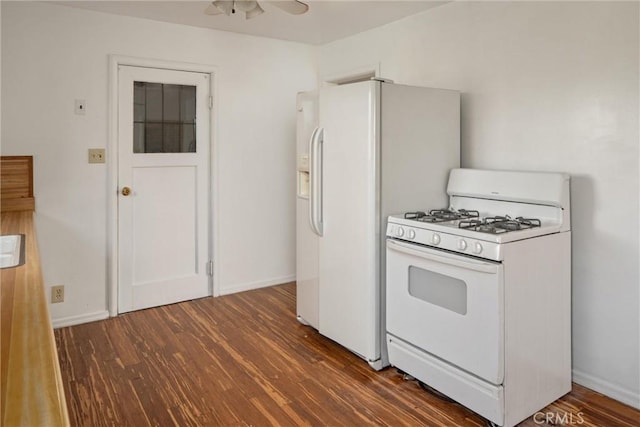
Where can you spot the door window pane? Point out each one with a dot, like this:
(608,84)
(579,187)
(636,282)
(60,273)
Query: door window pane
(153,138)
(188,103)
(164,118)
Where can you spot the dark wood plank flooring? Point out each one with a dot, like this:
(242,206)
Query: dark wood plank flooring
(244,360)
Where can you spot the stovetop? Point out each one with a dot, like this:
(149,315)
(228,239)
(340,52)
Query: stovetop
(471,220)
(467,231)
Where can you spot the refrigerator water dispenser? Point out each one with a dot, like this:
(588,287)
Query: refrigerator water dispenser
(303,176)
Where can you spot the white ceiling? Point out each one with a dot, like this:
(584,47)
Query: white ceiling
(326,20)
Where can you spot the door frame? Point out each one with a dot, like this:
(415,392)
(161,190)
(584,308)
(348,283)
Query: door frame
(112,168)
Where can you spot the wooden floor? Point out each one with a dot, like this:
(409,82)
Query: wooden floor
(243,360)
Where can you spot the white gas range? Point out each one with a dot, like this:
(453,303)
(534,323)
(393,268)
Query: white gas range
(478,294)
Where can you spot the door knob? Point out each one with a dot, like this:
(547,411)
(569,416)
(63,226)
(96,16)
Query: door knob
(126,191)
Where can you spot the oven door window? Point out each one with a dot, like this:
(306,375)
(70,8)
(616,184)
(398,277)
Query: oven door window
(435,288)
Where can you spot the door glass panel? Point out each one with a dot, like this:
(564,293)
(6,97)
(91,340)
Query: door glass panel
(188,103)
(164,118)
(435,288)
(138,137)
(188,138)
(171,104)
(153,138)
(153,101)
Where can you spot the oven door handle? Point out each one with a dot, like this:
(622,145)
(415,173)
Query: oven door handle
(457,261)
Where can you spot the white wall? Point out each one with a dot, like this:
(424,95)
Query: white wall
(52,55)
(546,86)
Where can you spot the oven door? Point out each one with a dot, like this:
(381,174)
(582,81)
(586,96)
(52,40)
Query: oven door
(448,305)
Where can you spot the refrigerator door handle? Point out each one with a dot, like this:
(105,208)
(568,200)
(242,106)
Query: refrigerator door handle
(312,179)
(315,181)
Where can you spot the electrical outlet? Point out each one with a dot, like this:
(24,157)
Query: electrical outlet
(96,155)
(57,294)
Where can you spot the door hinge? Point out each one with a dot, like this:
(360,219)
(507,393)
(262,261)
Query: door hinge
(210,102)
(210,268)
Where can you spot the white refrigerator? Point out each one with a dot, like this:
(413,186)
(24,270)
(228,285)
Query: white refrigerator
(378,149)
(306,239)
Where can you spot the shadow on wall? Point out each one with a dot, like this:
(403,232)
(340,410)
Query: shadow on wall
(593,285)
(582,232)
(465,118)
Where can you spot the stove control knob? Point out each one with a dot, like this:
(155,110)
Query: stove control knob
(400,232)
(477,248)
(462,244)
(411,234)
(435,239)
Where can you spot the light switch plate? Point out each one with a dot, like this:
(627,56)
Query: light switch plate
(96,155)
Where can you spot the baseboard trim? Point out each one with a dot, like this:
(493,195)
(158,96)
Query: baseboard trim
(613,391)
(257,285)
(80,319)
(101,315)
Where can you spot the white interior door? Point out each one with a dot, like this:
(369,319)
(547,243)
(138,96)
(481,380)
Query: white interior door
(163,185)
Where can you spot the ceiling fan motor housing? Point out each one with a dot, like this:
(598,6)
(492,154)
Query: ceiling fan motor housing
(252,8)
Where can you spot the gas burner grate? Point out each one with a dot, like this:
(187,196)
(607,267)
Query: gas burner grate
(414,215)
(441,215)
(529,222)
(499,224)
(469,213)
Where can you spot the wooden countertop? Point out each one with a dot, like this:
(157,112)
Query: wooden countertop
(32,392)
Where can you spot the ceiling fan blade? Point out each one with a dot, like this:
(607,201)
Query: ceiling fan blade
(225,6)
(257,10)
(294,7)
(212,10)
(244,5)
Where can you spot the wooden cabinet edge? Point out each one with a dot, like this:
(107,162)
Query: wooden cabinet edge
(43,401)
